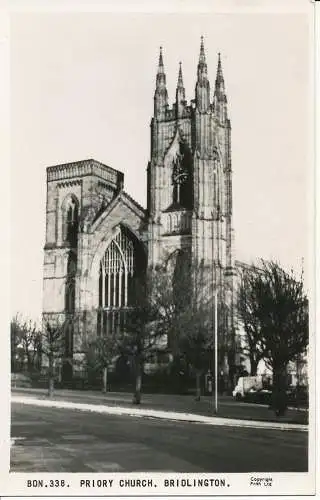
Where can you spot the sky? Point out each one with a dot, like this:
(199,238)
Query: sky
(82,86)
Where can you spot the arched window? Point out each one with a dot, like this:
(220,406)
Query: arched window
(184,223)
(123,263)
(117,269)
(71,281)
(71,221)
(217,187)
(182,177)
(175,222)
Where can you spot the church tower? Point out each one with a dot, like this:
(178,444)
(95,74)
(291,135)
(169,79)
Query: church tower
(189,182)
(189,174)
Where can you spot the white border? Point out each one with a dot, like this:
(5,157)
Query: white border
(14,484)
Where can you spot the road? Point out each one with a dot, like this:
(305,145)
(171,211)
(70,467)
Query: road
(59,440)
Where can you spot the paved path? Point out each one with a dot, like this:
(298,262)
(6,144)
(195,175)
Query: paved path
(64,440)
(228,407)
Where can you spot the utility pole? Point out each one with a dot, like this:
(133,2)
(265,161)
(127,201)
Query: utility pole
(216,350)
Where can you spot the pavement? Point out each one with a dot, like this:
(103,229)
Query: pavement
(50,439)
(169,407)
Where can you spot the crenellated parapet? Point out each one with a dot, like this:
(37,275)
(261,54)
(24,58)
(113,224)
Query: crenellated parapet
(84,168)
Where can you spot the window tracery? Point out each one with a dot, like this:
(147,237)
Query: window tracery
(181,177)
(117,269)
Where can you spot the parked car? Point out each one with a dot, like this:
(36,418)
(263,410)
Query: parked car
(260,396)
(295,396)
(247,384)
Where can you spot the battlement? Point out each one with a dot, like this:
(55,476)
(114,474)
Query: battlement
(171,112)
(188,109)
(84,168)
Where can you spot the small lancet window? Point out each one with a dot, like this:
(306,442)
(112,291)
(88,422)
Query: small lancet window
(71,281)
(71,216)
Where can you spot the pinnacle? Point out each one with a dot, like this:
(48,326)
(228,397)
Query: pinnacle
(202,57)
(202,65)
(202,46)
(161,77)
(160,65)
(180,78)
(219,77)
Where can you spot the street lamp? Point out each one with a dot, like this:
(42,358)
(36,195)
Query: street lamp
(216,348)
(215,341)
(215,218)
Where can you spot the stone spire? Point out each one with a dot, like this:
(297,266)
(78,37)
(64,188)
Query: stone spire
(220,98)
(180,78)
(219,83)
(202,85)
(161,94)
(202,65)
(161,76)
(180,94)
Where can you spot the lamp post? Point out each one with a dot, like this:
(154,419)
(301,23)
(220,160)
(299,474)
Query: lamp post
(215,329)
(215,341)
(216,348)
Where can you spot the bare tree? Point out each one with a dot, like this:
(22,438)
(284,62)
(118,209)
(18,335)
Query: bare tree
(15,341)
(276,307)
(247,310)
(101,354)
(53,345)
(143,330)
(195,340)
(25,343)
(31,344)
(185,300)
(174,306)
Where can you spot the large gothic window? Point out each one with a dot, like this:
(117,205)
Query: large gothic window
(121,264)
(117,272)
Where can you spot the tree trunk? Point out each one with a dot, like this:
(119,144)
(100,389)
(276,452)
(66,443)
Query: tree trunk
(105,380)
(29,362)
(253,366)
(279,395)
(232,371)
(198,387)
(138,383)
(51,377)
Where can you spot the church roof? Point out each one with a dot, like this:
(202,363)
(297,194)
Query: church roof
(140,207)
(121,197)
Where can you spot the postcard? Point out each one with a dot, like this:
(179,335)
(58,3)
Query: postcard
(161,263)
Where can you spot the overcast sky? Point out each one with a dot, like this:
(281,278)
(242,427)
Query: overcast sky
(82,87)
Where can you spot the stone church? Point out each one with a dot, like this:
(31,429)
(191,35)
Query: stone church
(98,238)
